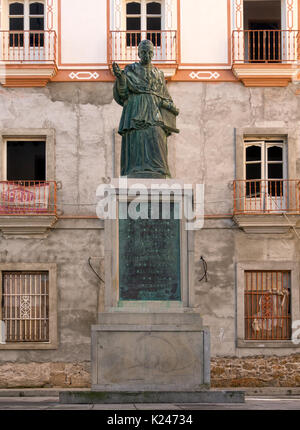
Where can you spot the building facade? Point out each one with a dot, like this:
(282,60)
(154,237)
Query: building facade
(233,69)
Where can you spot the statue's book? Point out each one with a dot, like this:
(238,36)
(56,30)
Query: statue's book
(169,119)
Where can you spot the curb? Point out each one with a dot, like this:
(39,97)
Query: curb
(54,392)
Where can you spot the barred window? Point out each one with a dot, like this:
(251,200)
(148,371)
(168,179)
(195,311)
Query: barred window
(25,306)
(267,305)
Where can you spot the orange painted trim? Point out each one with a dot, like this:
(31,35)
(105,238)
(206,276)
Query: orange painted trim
(229,41)
(229,32)
(64,76)
(179,32)
(262,66)
(278,81)
(107,29)
(204,76)
(31,66)
(225,75)
(25,81)
(59,32)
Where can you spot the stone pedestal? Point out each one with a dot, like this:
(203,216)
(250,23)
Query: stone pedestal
(150,352)
(149,344)
(148,337)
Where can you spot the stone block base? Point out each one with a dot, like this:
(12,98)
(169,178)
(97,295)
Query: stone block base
(150,352)
(98,397)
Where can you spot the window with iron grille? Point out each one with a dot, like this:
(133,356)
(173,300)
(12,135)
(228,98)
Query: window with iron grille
(267,305)
(25,306)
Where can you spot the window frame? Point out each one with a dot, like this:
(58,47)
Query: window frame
(27,14)
(264,144)
(289,134)
(48,135)
(36,139)
(243,266)
(143,15)
(53,334)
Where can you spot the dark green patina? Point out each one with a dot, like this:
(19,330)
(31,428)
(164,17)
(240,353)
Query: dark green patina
(148,118)
(149,257)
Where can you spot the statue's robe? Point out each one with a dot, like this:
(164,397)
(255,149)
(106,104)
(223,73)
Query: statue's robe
(143,126)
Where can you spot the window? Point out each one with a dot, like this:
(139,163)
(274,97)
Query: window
(266,174)
(27,172)
(143,16)
(28,306)
(25,298)
(16,23)
(262,25)
(26,190)
(266,179)
(26,160)
(267,305)
(26,19)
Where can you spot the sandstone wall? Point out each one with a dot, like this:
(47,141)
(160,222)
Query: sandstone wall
(257,371)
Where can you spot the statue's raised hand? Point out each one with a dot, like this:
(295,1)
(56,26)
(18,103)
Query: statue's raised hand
(117,71)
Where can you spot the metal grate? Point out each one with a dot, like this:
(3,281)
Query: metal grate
(25,301)
(28,197)
(267,305)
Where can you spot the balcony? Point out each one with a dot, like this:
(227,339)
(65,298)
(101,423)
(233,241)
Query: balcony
(266,206)
(265,57)
(123,48)
(27,207)
(28,57)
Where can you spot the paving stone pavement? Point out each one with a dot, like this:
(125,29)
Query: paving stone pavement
(52,403)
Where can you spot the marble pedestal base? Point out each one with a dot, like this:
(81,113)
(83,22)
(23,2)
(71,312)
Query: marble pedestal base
(150,352)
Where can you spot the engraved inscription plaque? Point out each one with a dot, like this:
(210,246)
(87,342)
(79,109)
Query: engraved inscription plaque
(149,253)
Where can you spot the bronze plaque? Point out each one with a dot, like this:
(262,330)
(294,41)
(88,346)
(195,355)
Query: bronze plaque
(149,255)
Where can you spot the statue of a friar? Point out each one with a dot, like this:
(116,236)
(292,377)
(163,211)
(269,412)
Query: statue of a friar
(148,118)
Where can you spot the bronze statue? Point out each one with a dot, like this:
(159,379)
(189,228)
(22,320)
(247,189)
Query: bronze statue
(148,118)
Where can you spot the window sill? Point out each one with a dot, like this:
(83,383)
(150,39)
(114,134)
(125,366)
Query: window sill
(264,74)
(266,223)
(36,226)
(27,75)
(28,345)
(266,344)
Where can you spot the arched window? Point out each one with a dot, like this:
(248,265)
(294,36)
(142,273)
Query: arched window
(26,17)
(154,22)
(143,16)
(36,24)
(16,23)
(133,23)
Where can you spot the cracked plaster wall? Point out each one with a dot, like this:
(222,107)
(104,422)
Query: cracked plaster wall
(84,116)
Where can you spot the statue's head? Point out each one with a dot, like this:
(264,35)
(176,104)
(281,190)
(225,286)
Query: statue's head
(146,51)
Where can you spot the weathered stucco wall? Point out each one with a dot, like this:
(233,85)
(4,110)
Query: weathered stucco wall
(78,289)
(84,116)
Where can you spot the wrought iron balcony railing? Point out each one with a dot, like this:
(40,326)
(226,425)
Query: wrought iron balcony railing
(266,196)
(123,45)
(265,46)
(28,46)
(28,198)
